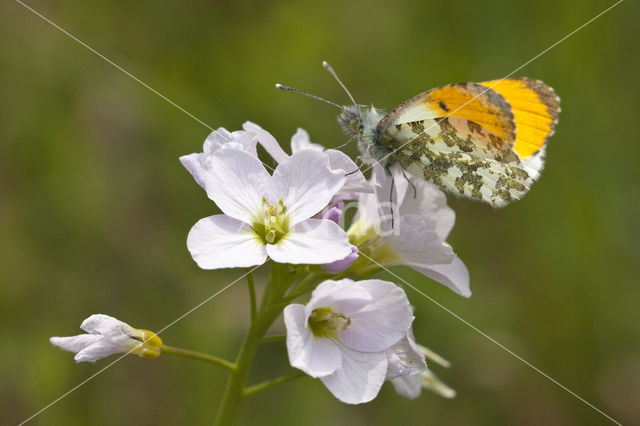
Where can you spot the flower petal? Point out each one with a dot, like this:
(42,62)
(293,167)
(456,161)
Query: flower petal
(429,202)
(305,183)
(386,198)
(360,377)
(317,357)
(338,160)
(355,180)
(366,220)
(268,142)
(194,163)
(454,275)
(237,182)
(411,197)
(334,213)
(107,325)
(75,343)
(381,323)
(106,346)
(313,241)
(301,141)
(417,244)
(220,241)
(246,140)
(342,296)
(342,264)
(408,386)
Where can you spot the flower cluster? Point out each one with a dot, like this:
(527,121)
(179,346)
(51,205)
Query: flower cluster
(352,335)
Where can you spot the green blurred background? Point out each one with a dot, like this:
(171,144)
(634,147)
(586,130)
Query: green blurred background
(95,207)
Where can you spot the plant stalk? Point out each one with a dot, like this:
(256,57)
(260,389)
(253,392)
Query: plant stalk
(270,308)
(252,295)
(260,387)
(186,353)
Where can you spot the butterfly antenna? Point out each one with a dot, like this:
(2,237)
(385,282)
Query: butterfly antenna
(291,89)
(328,67)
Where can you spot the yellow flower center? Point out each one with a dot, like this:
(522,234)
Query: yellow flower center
(272,224)
(324,322)
(372,246)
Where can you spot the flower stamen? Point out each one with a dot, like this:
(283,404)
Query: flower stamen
(324,322)
(272,223)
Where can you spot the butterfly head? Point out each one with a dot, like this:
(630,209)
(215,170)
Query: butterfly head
(350,120)
(360,121)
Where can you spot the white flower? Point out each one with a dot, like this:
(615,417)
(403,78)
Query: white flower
(344,333)
(241,139)
(413,234)
(108,336)
(268,216)
(300,141)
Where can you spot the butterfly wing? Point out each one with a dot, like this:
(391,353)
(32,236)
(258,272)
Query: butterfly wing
(461,157)
(469,101)
(463,137)
(535,107)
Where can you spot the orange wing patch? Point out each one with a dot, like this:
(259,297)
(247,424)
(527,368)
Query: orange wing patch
(475,103)
(535,108)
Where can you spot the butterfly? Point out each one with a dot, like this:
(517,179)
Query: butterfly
(485,141)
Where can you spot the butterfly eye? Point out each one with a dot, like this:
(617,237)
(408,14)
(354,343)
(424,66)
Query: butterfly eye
(355,124)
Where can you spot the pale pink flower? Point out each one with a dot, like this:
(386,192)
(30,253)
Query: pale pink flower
(345,333)
(268,215)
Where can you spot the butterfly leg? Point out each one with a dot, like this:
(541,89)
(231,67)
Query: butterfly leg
(413,185)
(344,144)
(391,200)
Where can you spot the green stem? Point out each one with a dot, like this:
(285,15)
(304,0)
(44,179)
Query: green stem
(309,284)
(274,338)
(303,283)
(270,383)
(273,297)
(186,353)
(233,394)
(252,296)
